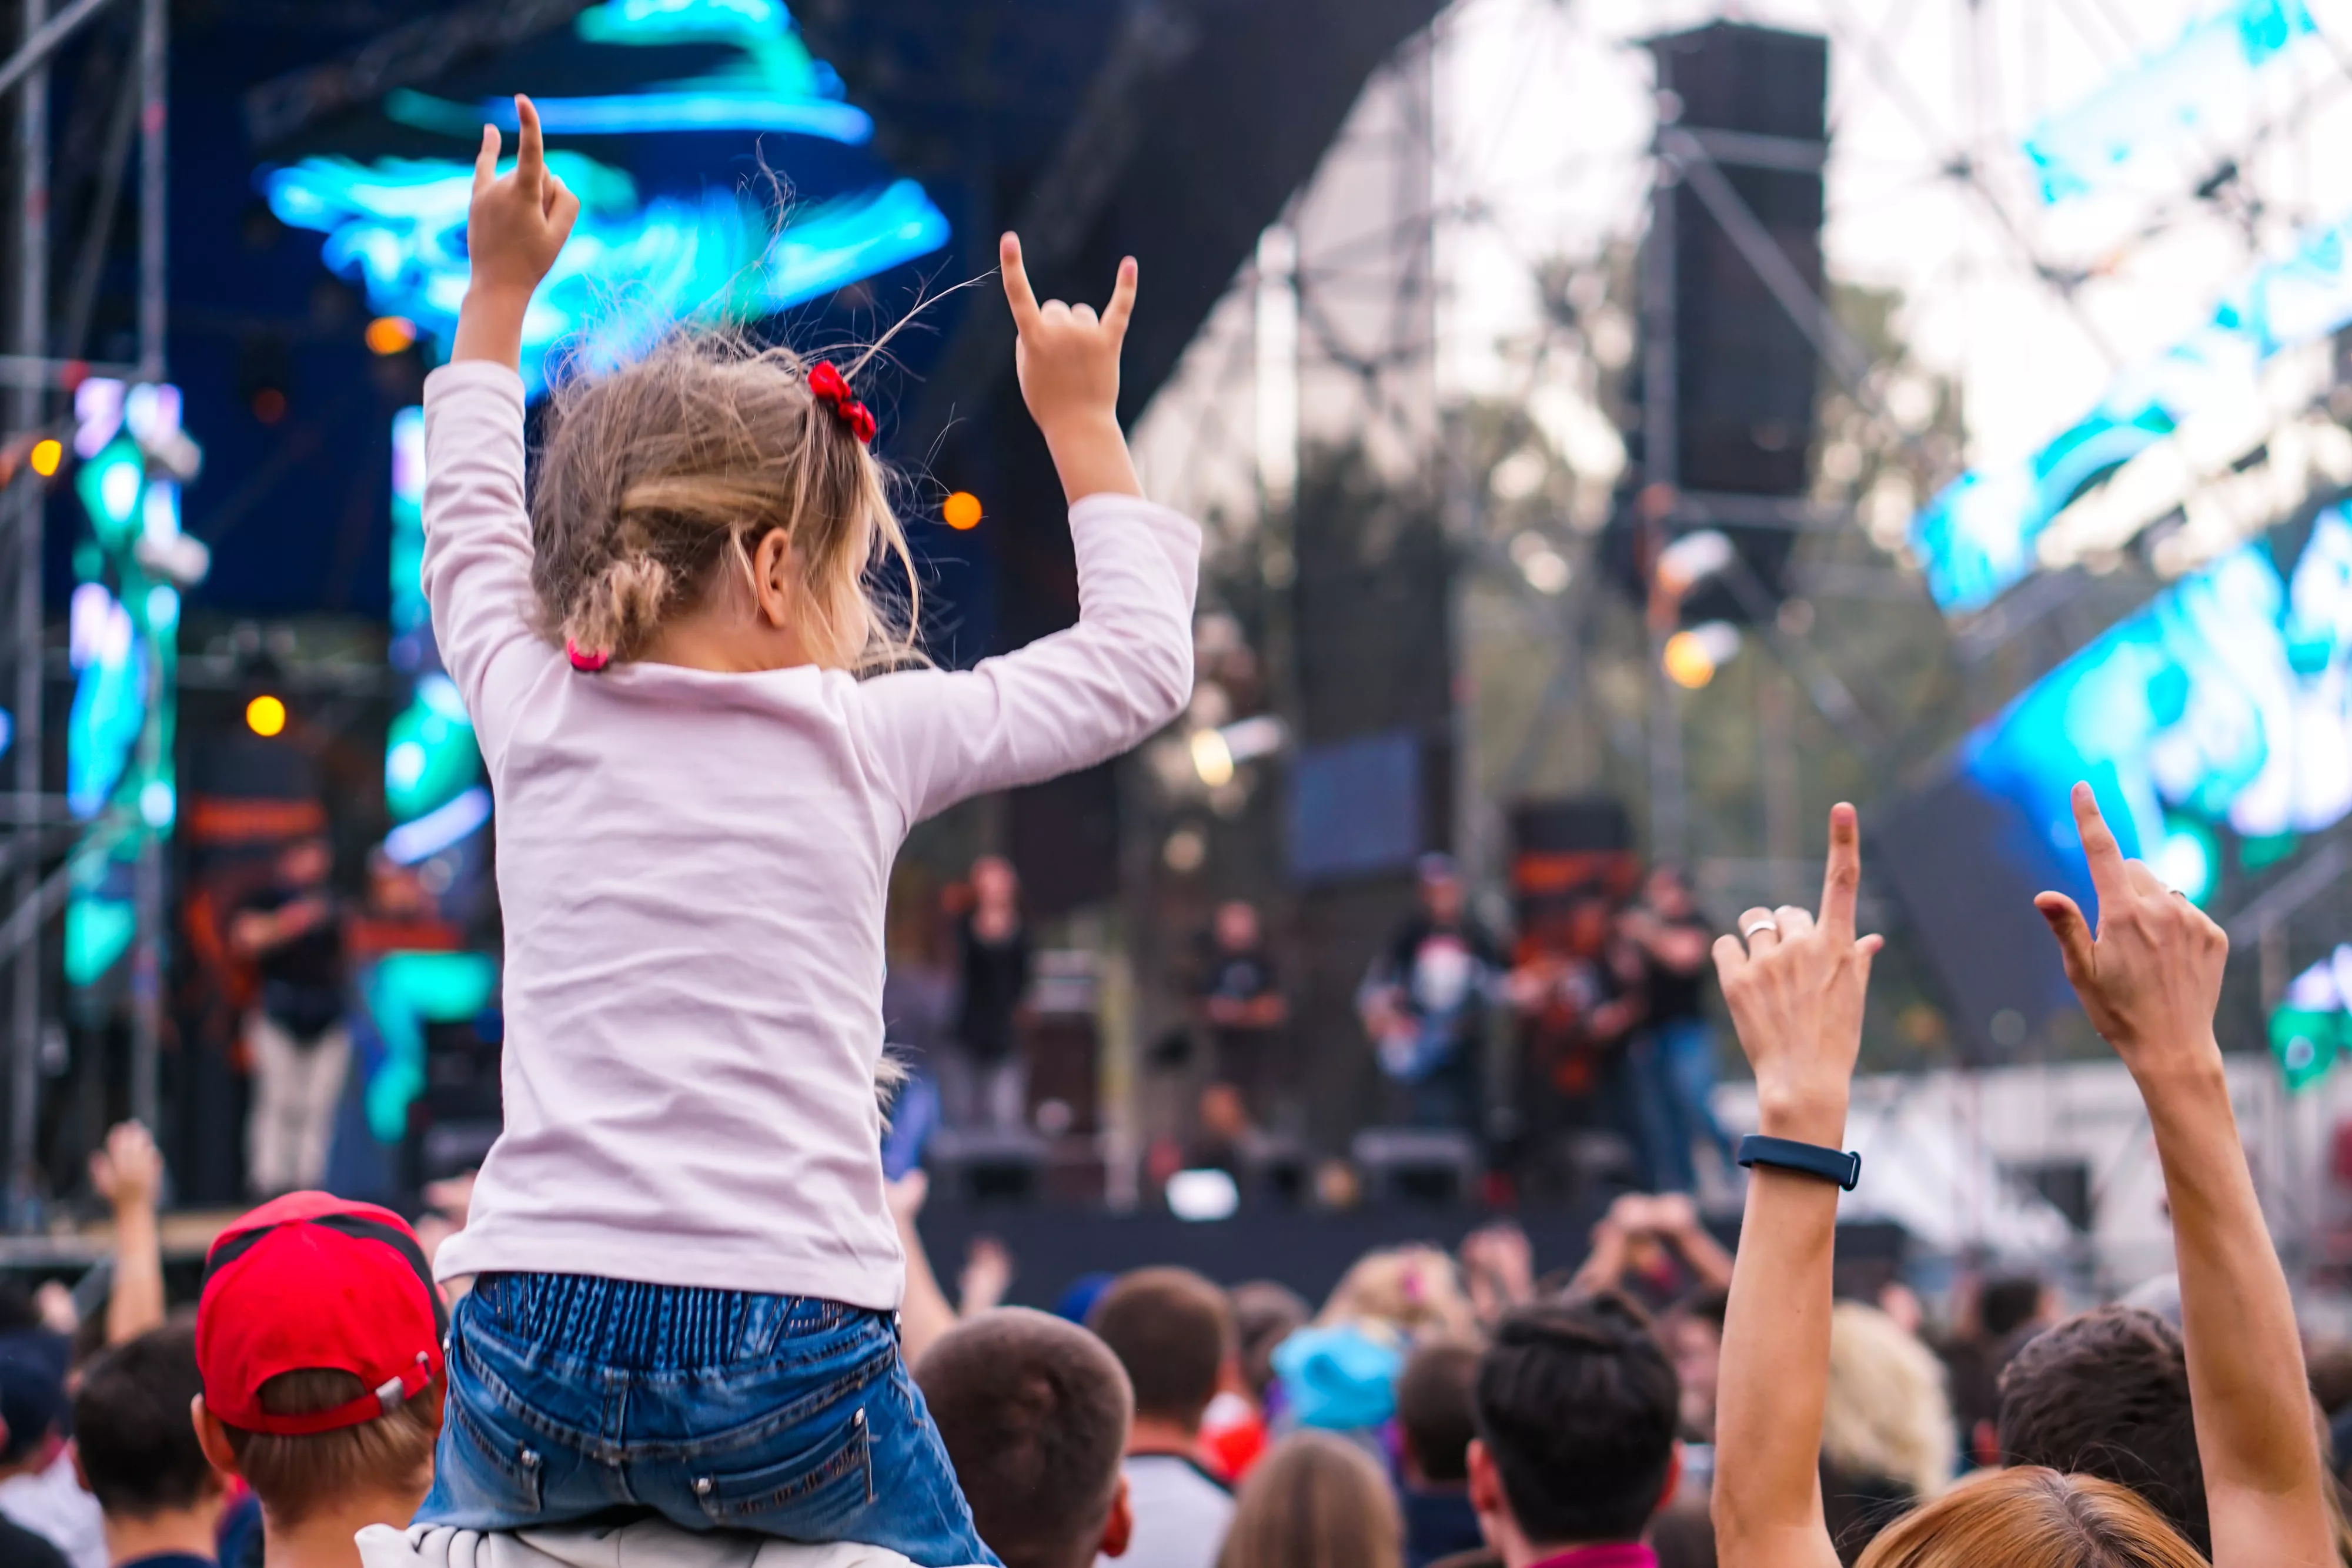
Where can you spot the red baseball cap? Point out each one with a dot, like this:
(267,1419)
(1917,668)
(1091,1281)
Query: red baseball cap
(312,1281)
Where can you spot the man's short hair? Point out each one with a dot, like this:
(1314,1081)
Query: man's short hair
(2106,1394)
(139,1450)
(2007,1303)
(1172,1330)
(33,1399)
(1034,1415)
(1433,1398)
(296,1477)
(1577,1405)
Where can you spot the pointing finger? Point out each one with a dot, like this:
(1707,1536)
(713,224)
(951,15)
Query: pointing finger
(2099,847)
(1843,875)
(530,155)
(486,162)
(1122,300)
(1016,283)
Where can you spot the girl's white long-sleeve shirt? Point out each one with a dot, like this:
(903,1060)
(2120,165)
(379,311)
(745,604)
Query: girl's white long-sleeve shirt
(692,869)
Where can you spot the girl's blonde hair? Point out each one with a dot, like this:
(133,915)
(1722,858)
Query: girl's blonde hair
(1414,1289)
(660,479)
(2033,1518)
(1887,1413)
(1315,1501)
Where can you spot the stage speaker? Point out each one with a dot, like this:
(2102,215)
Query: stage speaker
(1744,378)
(1417,1164)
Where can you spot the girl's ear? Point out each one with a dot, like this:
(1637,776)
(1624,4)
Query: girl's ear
(772,578)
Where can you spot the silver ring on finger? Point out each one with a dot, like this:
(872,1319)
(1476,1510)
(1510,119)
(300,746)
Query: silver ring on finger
(1748,932)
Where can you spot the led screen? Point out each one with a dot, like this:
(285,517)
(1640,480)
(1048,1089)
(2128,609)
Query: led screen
(2216,726)
(1976,539)
(640,260)
(2189,98)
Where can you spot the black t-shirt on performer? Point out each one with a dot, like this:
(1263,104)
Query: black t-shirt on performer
(1674,997)
(302,977)
(995,973)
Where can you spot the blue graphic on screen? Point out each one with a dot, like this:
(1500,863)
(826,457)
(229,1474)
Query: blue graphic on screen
(2223,706)
(1976,539)
(633,268)
(2174,99)
(638,261)
(773,83)
(123,640)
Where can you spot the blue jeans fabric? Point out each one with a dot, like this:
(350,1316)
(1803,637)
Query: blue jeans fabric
(1674,1079)
(575,1397)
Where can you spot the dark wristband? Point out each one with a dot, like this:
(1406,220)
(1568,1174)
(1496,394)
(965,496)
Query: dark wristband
(1805,1159)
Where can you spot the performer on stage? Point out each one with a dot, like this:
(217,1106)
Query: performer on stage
(1424,1002)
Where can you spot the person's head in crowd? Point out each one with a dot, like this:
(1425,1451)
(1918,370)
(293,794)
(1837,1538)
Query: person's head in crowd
(135,1448)
(395,892)
(1034,1411)
(2008,1302)
(2106,1394)
(1264,1315)
(1441,889)
(319,1342)
(1235,926)
(1173,1332)
(1667,893)
(1576,1406)
(1223,1114)
(2033,1516)
(306,862)
(34,1405)
(1315,1501)
(1434,1414)
(1886,1415)
(1693,1334)
(1411,1290)
(994,883)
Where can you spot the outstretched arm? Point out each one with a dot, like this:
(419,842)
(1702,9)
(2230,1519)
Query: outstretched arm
(1795,989)
(2150,978)
(1083,695)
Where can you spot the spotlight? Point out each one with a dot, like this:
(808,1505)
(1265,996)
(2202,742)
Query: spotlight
(1692,559)
(1692,656)
(266,716)
(46,455)
(390,334)
(961,511)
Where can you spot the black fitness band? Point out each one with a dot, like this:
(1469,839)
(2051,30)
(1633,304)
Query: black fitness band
(1805,1159)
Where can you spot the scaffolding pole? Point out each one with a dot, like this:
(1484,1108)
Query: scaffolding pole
(147,945)
(27,408)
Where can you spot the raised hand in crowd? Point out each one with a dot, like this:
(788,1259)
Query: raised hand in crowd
(987,1275)
(515,227)
(1499,1270)
(1068,361)
(128,1171)
(2150,976)
(1795,987)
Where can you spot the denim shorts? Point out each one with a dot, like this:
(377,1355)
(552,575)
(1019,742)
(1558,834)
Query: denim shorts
(574,1398)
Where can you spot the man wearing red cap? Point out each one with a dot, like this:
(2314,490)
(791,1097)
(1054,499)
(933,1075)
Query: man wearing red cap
(318,1335)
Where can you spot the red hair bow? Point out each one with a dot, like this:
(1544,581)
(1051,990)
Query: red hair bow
(828,385)
(587,660)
